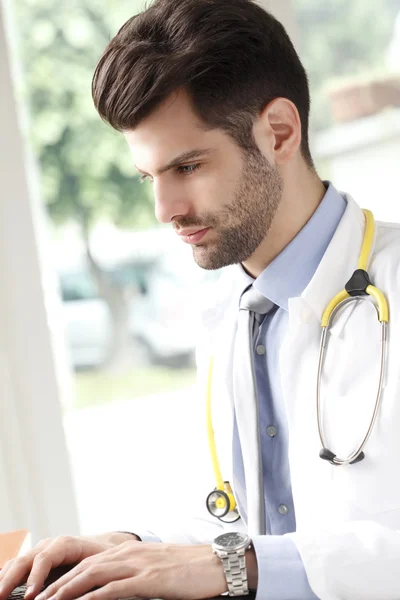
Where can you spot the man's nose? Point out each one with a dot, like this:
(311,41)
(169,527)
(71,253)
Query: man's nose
(169,203)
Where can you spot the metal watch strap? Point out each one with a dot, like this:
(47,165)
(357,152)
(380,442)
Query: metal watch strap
(234,564)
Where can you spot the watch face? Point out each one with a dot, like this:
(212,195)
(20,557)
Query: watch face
(232,540)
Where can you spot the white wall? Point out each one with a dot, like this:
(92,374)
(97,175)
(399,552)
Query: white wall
(363,159)
(35,484)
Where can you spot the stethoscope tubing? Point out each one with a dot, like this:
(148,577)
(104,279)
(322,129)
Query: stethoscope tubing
(324,338)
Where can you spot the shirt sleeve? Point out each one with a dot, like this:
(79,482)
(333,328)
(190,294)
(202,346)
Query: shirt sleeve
(281,573)
(147,537)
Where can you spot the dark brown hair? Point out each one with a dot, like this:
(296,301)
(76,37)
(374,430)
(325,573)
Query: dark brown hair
(231,56)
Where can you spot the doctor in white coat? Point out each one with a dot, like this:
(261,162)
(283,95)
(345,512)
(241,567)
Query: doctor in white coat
(213,102)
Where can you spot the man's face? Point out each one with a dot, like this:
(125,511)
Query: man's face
(219,199)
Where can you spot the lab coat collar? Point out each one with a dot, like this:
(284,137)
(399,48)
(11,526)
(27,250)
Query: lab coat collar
(289,273)
(337,265)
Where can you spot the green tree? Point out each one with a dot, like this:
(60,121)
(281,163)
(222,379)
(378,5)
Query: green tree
(85,167)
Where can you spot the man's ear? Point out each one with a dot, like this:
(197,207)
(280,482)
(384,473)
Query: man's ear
(277,131)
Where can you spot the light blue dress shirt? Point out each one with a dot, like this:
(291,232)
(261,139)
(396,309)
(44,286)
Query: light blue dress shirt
(281,574)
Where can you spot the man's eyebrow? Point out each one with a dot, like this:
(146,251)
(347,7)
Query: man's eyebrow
(182,158)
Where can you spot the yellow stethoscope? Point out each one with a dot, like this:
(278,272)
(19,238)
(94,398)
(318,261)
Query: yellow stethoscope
(221,502)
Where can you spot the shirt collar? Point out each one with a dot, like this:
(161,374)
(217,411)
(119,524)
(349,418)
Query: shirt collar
(291,271)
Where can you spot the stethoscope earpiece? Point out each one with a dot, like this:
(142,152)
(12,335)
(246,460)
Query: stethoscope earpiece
(326,454)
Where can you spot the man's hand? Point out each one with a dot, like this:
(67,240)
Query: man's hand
(175,572)
(50,553)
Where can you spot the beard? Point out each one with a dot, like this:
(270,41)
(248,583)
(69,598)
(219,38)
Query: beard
(242,224)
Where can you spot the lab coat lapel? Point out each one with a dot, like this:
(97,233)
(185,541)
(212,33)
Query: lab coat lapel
(339,261)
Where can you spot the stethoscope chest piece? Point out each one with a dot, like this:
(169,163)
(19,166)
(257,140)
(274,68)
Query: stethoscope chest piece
(219,504)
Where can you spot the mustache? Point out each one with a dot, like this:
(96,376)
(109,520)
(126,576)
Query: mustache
(190,222)
(205,220)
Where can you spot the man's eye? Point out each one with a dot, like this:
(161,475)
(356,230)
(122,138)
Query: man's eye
(182,170)
(187,169)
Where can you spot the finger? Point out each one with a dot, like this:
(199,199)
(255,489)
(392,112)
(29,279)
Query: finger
(52,589)
(43,543)
(19,577)
(62,550)
(15,575)
(107,556)
(61,582)
(30,590)
(84,580)
(41,567)
(120,590)
(5,568)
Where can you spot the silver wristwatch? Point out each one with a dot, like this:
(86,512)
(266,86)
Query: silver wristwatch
(231,548)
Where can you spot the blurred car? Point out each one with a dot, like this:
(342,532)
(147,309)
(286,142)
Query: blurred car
(163,314)
(87,319)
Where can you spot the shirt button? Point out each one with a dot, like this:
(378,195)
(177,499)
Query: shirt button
(283,509)
(271,431)
(260,349)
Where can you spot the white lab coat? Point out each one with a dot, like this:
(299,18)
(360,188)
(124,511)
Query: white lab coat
(348,518)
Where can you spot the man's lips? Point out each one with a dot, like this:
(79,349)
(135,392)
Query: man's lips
(193,237)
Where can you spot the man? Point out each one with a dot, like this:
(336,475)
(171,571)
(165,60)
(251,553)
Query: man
(213,102)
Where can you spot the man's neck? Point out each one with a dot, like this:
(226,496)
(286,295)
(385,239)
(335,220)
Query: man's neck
(301,197)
